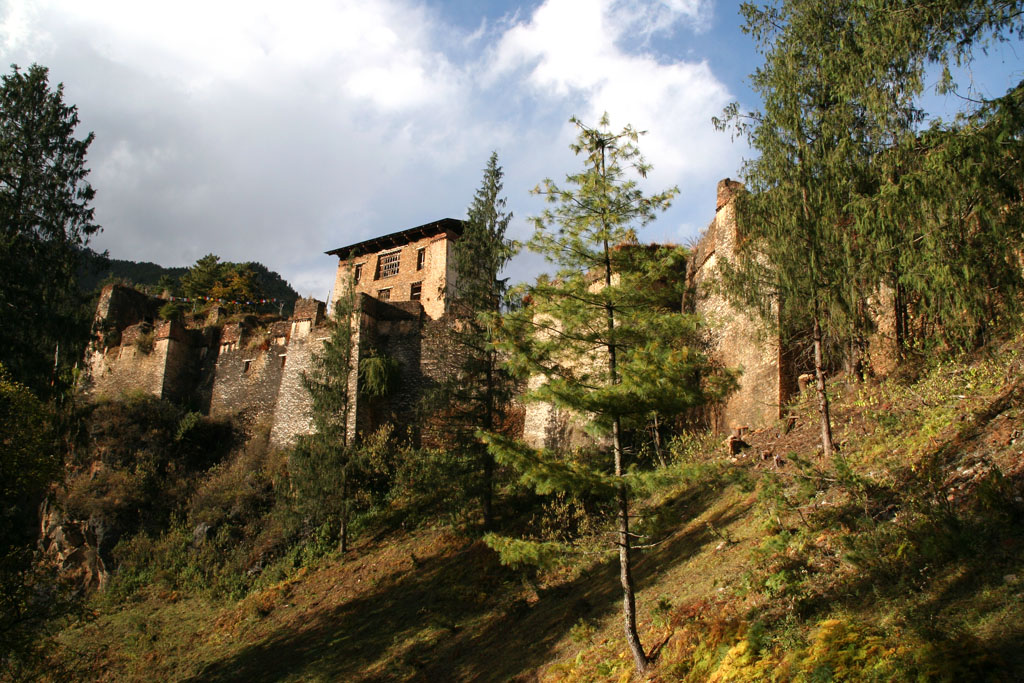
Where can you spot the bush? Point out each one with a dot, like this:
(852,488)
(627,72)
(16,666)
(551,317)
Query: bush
(171,311)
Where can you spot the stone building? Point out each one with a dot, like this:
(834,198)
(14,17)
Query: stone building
(220,368)
(408,265)
(738,339)
(403,283)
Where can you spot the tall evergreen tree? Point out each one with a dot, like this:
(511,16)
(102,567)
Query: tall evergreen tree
(808,135)
(45,221)
(478,391)
(851,201)
(324,464)
(602,338)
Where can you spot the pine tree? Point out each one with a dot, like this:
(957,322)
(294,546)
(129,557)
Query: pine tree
(477,394)
(45,221)
(607,339)
(850,200)
(324,465)
(799,261)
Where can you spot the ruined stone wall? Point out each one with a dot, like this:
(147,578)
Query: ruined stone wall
(738,339)
(165,366)
(126,368)
(246,382)
(120,307)
(292,410)
(545,425)
(435,277)
(221,370)
(393,329)
(183,351)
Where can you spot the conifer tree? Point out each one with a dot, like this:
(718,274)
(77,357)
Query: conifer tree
(45,221)
(798,261)
(324,464)
(478,391)
(602,338)
(850,199)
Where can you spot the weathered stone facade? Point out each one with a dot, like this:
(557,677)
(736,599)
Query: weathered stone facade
(221,369)
(738,339)
(231,368)
(409,265)
(134,353)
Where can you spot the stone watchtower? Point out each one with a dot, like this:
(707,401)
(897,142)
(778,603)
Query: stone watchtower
(403,283)
(408,265)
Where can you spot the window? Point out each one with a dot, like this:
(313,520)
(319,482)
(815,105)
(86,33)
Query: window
(387,264)
(384,294)
(414,291)
(246,366)
(282,357)
(421,258)
(358,273)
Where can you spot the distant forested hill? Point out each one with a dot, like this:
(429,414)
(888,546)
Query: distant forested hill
(97,270)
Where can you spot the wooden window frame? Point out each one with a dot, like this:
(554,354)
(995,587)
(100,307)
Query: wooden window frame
(388,264)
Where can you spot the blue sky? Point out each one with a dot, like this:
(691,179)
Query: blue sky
(269,131)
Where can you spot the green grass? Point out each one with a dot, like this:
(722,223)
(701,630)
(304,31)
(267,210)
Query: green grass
(900,560)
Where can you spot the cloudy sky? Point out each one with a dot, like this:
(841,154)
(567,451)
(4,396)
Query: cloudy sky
(269,131)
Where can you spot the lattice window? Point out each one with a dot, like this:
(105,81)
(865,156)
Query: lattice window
(384,294)
(414,291)
(387,264)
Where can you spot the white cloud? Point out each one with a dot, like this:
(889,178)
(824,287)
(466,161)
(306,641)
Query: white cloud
(572,49)
(262,130)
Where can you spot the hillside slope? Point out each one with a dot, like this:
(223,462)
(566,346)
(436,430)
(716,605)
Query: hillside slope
(902,559)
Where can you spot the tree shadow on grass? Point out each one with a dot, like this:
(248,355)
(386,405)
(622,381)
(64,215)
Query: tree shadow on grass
(939,566)
(458,616)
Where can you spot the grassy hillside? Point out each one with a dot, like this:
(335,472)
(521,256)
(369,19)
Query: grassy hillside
(901,559)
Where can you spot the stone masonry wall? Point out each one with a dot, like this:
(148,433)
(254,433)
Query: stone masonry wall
(738,339)
(247,380)
(168,369)
(292,410)
(120,306)
(435,278)
(124,369)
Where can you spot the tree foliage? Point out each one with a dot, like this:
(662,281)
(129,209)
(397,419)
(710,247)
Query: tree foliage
(45,220)
(209,277)
(604,336)
(477,394)
(28,466)
(854,211)
(324,465)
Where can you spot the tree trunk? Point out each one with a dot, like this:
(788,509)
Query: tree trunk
(625,567)
(827,445)
(625,564)
(487,486)
(343,532)
(657,439)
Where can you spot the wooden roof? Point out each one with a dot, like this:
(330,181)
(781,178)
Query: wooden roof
(451,226)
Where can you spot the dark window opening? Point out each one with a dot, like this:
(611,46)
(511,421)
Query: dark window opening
(387,264)
(246,364)
(384,294)
(414,291)
(421,258)
(358,273)
(282,360)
